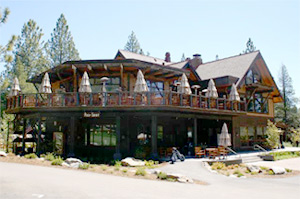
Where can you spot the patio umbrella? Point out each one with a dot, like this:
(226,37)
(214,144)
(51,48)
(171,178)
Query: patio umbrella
(15,89)
(224,138)
(140,84)
(85,86)
(211,90)
(184,87)
(195,87)
(45,86)
(104,80)
(234,95)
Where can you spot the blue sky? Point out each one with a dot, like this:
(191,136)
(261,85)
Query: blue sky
(210,28)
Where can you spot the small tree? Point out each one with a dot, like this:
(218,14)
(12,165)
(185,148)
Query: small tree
(133,44)
(273,135)
(295,136)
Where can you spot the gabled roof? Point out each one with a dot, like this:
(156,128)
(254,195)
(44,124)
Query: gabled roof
(235,66)
(130,55)
(179,64)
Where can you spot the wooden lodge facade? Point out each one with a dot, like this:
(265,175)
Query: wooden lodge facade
(114,121)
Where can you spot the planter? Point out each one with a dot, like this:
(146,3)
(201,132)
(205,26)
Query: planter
(267,157)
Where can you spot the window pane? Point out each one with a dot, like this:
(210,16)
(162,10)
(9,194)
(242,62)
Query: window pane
(244,136)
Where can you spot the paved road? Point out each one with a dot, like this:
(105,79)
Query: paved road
(28,181)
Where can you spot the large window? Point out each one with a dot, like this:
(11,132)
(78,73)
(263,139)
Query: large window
(102,135)
(112,84)
(251,135)
(157,87)
(252,77)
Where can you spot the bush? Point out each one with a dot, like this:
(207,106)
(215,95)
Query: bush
(84,166)
(295,137)
(31,156)
(273,135)
(254,173)
(118,163)
(162,176)
(140,172)
(271,172)
(124,170)
(48,156)
(218,166)
(104,167)
(288,170)
(57,161)
(238,173)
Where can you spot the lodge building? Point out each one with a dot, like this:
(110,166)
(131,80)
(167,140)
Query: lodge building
(112,119)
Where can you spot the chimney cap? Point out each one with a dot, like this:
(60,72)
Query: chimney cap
(197,55)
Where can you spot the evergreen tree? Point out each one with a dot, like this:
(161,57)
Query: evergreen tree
(287,111)
(183,57)
(250,46)
(133,44)
(61,45)
(5,51)
(29,56)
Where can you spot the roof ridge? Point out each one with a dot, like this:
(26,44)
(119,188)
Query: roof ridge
(257,51)
(144,55)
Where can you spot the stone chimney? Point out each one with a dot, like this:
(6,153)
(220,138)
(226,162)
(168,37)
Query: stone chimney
(168,57)
(196,61)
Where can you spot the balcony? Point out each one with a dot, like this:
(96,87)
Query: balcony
(121,100)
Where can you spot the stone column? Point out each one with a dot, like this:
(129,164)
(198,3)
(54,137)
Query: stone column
(195,131)
(71,141)
(117,155)
(154,137)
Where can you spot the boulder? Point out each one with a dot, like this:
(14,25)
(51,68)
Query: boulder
(65,164)
(132,162)
(278,170)
(179,178)
(254,168)
(3,154)
(73,160)
(75,165)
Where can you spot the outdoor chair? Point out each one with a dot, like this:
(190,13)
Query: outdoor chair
(222,152)
(213,153)
(169,151)
(199,152)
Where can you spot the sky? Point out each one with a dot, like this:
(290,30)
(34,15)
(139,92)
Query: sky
(207,27)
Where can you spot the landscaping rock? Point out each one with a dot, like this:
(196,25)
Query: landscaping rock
(75,165)
(65,164)
(156,171)
(132,162)
(3,154)
(73,160)
(254,168)
(278,170)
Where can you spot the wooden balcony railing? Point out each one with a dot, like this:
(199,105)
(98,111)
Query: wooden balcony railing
(112,99)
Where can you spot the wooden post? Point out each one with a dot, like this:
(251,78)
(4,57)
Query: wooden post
(7,138)
(39,138)
(117,155)
(23,136)
(154,137)
(72,137)
(74,79)
(195,132)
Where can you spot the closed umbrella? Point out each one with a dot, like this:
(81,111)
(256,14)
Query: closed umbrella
(85,85)
(45,86)
(15,89)
(234,95)
(140,84)
(211,90)
(184,87)
(224,138)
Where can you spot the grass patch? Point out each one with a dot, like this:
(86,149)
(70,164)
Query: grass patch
(218,166)
(124,170)
(48,156)
(238,173)
(57,161)
(84,166)
(140,172)
(285,155)
(30,156)
(104,167)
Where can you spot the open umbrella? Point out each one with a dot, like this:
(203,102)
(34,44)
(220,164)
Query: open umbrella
(211,90)
(140,84)
(224,138)
(15,89)
(45,86)
(85,85)
(184,87)
(234,95)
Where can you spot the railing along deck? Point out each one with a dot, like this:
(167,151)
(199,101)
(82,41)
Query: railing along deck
(123,98)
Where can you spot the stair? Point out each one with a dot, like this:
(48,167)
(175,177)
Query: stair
(251,158)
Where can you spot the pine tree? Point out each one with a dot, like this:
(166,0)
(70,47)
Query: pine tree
(29,56)
(286,111)
(183,57)
(61,46)
(133,44)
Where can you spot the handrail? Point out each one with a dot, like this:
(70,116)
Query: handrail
(232,151)
(122,98)
(257,147)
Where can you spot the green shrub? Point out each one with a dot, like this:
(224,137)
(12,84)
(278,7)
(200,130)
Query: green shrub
(295,136)
(140,172)
(124,170)
(273,134)
(104,167)
(162,176)
(84,166)
(57,161)
(238,173)
(118,163)
(254,173)
(271,172)
(263,168)
(31,156)
(288,170)
(247,171)
(48,156)
(217,166)
(117,168)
